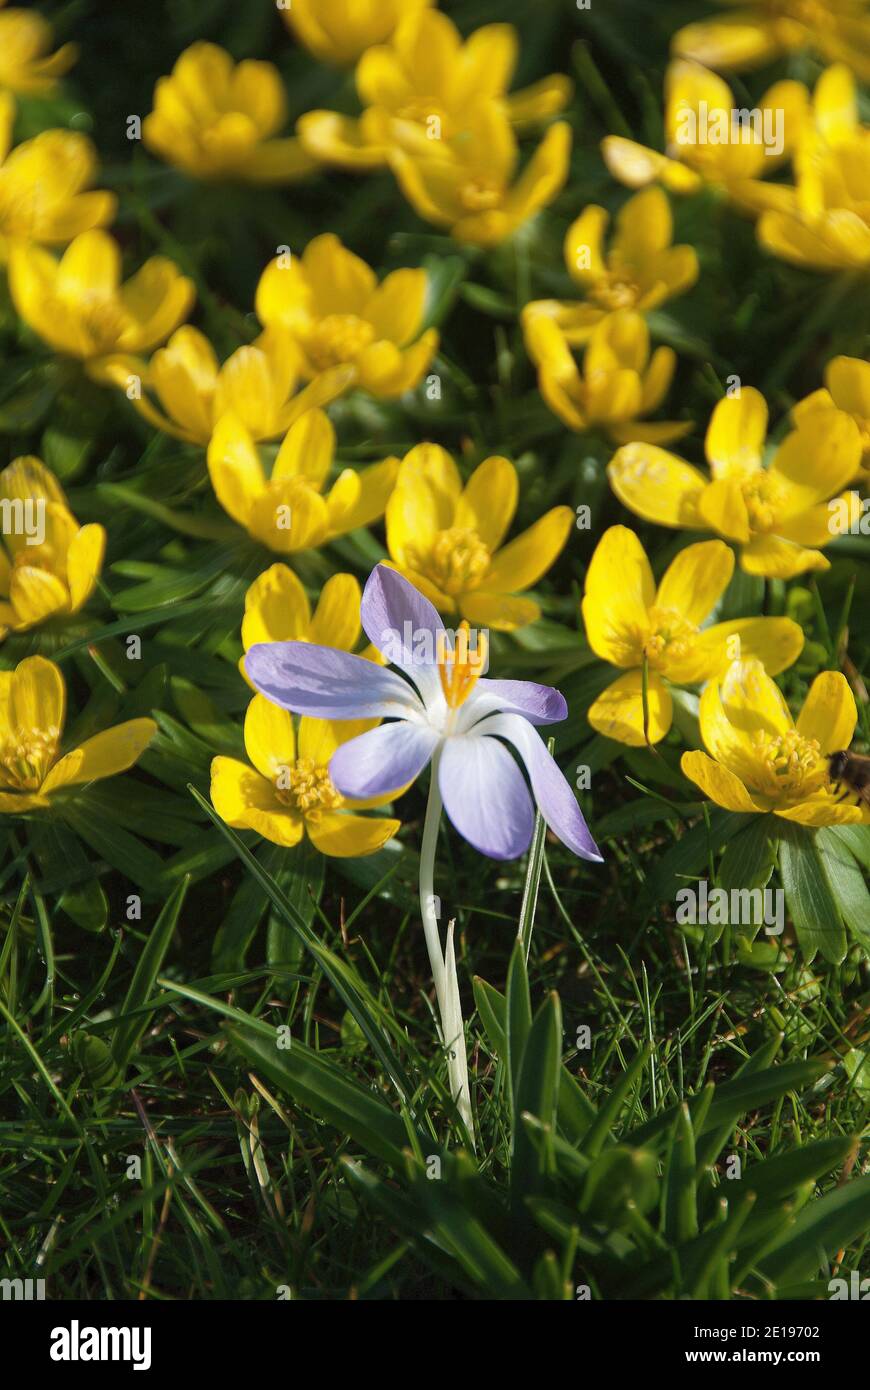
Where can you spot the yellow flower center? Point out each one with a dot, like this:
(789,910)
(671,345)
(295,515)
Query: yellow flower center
(306,787)
(764,495)
(103,319)
(336,339)
(478,194)
(24,760)
(461,669)
(457,560)
(614,291)
(427,113)
(787,766)
(671,636)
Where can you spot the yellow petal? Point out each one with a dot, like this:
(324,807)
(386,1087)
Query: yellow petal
(84,561)
(395,308)
(620,590)
(583,245)
(341,283)
(644,226)
(344,836)
(276,609)
(817,459)
(848,380)
(270,742)
(717,782)
(740,42)
(736,434)
(775,558)
(820,810)
(696,579)
(37,698)
(721,505)
(36,594)
(489,500)
(751,700)
(775,642)
(829,713)
(358,499)
(522,562)
(618,711)
(246,800)
(427,490)
(501,612)
(234,469)
(656,485)
(307,449)
(289,516)
(332,138)
(113,751)
(636,166)
(336,621)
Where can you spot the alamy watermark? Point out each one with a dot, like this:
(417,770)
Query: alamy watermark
(719,907)
(428,647)
(23,516)
(719,125)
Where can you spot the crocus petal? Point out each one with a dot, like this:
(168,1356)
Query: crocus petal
(382,761)
(486,797)
(553,795)
(829,713)
(329,684)
(405,628)
(540,704)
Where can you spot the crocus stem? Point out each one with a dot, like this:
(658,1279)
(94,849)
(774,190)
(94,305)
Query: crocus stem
(443,965)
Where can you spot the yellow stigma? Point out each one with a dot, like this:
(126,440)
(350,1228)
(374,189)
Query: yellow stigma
(337,338)
(789,765)
(764,495)
(614,291)
(25,760)
(306,787)
(456,561)
(461,669)
(671,635)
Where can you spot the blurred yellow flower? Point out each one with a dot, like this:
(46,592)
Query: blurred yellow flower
(429,82)
(826,223)
(79,306)
(277,610)
(640,271)
(256,383)
(43,185)
(447,539)
(709,139)
(287,512)
(215,119)
(764,30)
(26,65)
(330,303)
(470,184)
(629,620)
(338,31)
(620,381)
(50,564)
(761,760)
(32,710)
(287,793)
(847,388)
(779,515)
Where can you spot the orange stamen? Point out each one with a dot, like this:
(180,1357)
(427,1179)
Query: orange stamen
(461,669)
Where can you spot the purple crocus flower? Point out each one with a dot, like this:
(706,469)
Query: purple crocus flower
(436,710)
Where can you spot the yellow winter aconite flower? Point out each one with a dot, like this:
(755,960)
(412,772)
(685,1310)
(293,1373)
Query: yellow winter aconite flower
(50,564)
(630,621)
(619,383)
(471,185)
(287,793)
(429,82)
(711,139)
(847,388)
(277,610)
(447,539)
(215,119)
(640,271)
(761,760)
(256,384)
(44,183)
(780,516)
(288,511)
(763,30)
(32,770)
(331,305)
(338,31)
(826,223)
(79,306)
(26,64)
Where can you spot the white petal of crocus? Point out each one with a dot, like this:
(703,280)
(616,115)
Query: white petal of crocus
(383,761)
(405,628)
(539,704)
(327,683)
(486,797)
(555,799)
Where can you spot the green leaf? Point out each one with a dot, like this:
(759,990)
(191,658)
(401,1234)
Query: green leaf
(808,894)
(518,1017)
(820,1229)
(679,1195)
(847,884)
(537,1094)
(132,1024)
